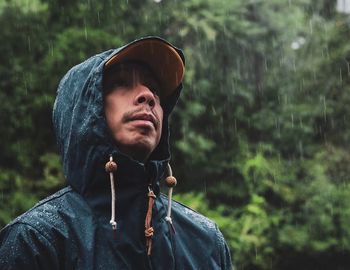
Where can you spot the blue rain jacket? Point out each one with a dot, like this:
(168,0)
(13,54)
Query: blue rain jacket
(71,230)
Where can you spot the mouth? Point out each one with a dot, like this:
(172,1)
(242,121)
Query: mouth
(146,118)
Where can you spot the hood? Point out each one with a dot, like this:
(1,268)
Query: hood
(82,133)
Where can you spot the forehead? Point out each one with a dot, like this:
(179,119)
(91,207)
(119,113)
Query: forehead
(129,73)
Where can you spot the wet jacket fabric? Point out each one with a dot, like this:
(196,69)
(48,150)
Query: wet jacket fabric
(71,230)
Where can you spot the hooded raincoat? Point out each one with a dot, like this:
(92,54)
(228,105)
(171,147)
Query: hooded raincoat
(71,229)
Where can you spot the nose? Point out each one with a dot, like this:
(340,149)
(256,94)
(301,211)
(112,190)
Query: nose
(145,97)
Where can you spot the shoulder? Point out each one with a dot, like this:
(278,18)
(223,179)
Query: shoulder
(20,246)
(29,235)
(37,238)
(48,215)
(188,215)
(191,221)
(193,231)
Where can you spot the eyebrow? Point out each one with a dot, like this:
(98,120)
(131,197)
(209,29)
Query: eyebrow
(131,69)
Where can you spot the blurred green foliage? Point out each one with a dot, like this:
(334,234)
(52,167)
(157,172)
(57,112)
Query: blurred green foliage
(259,138)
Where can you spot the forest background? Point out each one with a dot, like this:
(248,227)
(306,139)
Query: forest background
(260,138)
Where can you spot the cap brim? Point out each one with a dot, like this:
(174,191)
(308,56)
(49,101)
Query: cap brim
(161,57)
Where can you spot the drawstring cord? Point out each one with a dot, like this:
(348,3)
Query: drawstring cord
(149,231)
(111,167)
(171,183)
(148,228)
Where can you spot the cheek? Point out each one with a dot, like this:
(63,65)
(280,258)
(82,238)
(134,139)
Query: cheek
(159,111)
(160,114)
(111,113)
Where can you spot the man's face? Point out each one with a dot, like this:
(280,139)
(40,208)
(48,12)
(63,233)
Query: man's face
(133,111)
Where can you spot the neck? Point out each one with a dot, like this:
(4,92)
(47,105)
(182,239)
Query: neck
(135,152)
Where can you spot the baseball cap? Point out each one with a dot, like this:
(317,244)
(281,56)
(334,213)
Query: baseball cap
(165,61)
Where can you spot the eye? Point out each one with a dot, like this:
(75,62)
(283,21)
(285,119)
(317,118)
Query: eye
(155,92)
(121,82)
(153,87)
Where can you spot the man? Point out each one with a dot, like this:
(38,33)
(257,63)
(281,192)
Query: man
(111,121)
